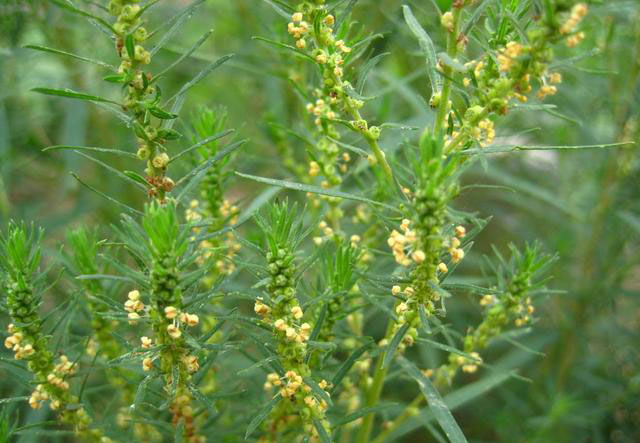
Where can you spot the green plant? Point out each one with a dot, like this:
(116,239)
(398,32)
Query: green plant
(200,308)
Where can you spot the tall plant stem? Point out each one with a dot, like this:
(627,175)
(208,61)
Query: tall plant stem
(373,393)
(447,72)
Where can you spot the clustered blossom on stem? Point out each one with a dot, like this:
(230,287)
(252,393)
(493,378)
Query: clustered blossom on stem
(19,262)
(335,98)
(493,81)
(511,305)
(284,315)
(140,96)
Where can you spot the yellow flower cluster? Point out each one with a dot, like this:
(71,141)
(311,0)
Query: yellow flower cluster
(507,56)
(15,343)
(403,245)
(578,12)
(291,384)
(226,211)
(182,410)
(524,312)
(292,332)
(38,396)
(485,132)
(326,230)
(457,253)
(470,365)
(55,378)
(133,306)
(178,317)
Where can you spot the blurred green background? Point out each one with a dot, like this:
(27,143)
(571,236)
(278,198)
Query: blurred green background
(583,359)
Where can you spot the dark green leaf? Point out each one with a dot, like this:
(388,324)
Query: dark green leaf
(69,54)
(73,94)
(393,345)
(313,189)
(438,407)
(259,418)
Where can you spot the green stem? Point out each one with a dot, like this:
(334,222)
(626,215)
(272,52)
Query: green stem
(447,71)
(408,412)
(373,394)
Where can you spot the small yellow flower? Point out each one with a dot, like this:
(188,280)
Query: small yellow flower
(133,317)
(170,312)
(174,331)
(146,342)
(418,256)
(401,308)
(160,161)
(442,267)
(280,324)
(297,313)
(457,254)
(147,364)
(191,319)
(447,21)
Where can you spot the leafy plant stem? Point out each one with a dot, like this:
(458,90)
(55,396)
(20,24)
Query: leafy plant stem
(447,71)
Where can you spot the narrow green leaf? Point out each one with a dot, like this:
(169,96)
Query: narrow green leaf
(426,44)
(112,169)
(210,405)
(363,73)
(348,364)
(393,345)
(194,177)
(73,94)
(438,407)
(322,432)
(261,416)
(90,148)
(363,412)
(281,8)
(475,16)
(183,56)
(161,113)
(168,134)
(137,177)
(69,54)
(345,13)
(139,396)
(102,194)
(130,46)
(424,320)
(447,348)
(199,76)
(71,8)
(283,46)
(176,23)
(321,393)
(202,143)
(12,399)
(313,189)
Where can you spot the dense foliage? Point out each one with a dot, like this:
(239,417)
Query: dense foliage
(322,220)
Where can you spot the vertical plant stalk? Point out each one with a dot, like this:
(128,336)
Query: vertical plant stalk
(511,304)
(20,262)
(429,223)
(284,315)
(447,72)
(167,243)
(334,97)
(138,91)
